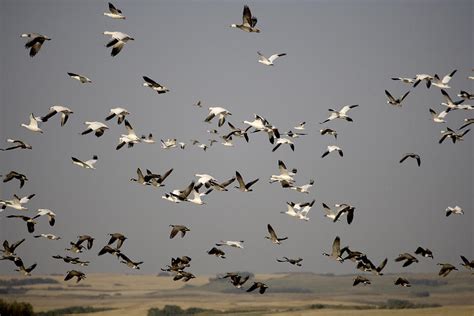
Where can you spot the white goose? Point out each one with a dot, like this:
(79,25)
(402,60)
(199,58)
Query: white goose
(443,84)
(81,78)
(130,139)
(97,127)
(119,112)
(34,124)
(148,139)
(46,212)
(217,111)
(404,79)
(154,85)
(114,13)
(439,117)
(118,41)
(454,210)
(342,114)
(269,61)
(259,123)
(65,112)
(231,243)
(420,77)
(332,148)
(168,144)
(284,175)
(281,141)
(304,188)
(16,203)
(89,164)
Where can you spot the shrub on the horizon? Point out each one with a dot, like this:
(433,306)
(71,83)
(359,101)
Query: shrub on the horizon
(171,310)
(73,310)
(15,308)
(27,281)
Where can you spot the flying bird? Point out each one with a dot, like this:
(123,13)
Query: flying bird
(119,39)
(341,114)
(217,111)
(97,127)
(439,117)
(114,13)
(454,210)
(269,61)
(258,285)
(35,42)
(442,83)
(231,243)
(48,236)
(361,279)
(328,131)
(17,144)
(75,274)
(248,22)
(273,236)
(50,214)
(80,78)
(30,223)
(89,164)
(394,101)
(332,148)
(16,203)
(216,252)
(26,271)
(446,268)
(120,238)
(129,263)
(408,258)
(295,262)
(121,113)
(34,124)
(130,138)
(15,175)
(154,85)
(244,187)
(425,252)
(413,156)
(336,253)
(178,229)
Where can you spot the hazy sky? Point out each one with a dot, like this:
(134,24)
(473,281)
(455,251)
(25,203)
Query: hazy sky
(339,52)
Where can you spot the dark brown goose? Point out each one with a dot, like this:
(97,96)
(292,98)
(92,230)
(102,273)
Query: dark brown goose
(83,238)
(446,268)
(425,252)
(361,279)
(467,264)
(402,282)
(258,285)
(409,259)
(117,237)
(216,252)
(76,248)
(248,22)
(15,175)
(336,250)
(9,250)
(74,273)
(273,236)
(295,262)
(35,42)
(17,144)
(72,260)
(178,229)
(244,187)
(183,275)
(129,263)
(411,155)
(26,271)
(108,249)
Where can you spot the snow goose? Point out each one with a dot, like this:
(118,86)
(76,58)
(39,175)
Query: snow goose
(290,210)
(97,127)
(244,187)
(284,175)
(454,210)
(466,95)
(467,264)
(442,84)
(120,238)
(89,164)
(75,274)
(404,80)
(295,262)
(361,279)
(154,85)
(293,134)
(304,188)
(17,144)
(217,111)
(34,124)
(129,263)
(259,123)
(26,271)
(239,132)
(342,114)
(216,252)
(16,203)
(83,238)
(402,282)
(168,144)
(336,250)
(35,42)
(413,156)
(450,103)
(231,243)
(30,223)
(130,139)
(114,13)
(118,41)
(48,236)
(425,252)
(119,112)
(148,139)
(80,78)
(345,209)
(182,145)
(9,249)
(408,258)
(420,77)
(269,61)
(178,229)
(468,121)
(328,131)
(273,236)
(177,196)
(393,101)
(262,287)
(15,175)
(332,148)
(226,140)
(198,104)
(196,197)
(281,141)
(51,215)
(439,117)
(248,22)
(300,126)
(446,268)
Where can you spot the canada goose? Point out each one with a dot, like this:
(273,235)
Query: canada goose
(48,236)
(466,263)
(273,236)
(21,267)
(295,262)
(154,85)
(258,285)
(443,84)
(466,95)
(393,101)
(140,178)
(332,148)
(342,114)
(118,41)
(239,132)
(238,280)
(51,215)
(178,264)
(34,124)
(15,175)
(16,202)
(156,180)
(30,223)
(269,61)
(328,131)
(71,260)
(420,77)
(178,229)
(177,196)
(97,127)
(81,78)
(248,22)
(148,139)
(439,117)
(284,175)
(446,268)
(304,188)
(411,155)
(83,238)
(117,237)
(121,113)
(356,256)
(404,80)
(129,263)
(18,144)
(244,187)
(35,42)
(361,279)
(130,138)
(449,133)
(196,197)
(216,252)
(231,243)
(336,250)
(409,259)
(184,276)
(9,249)
(217,111)
(114,13)
(450,104)
(111,250)
(281,141)
(366,265)
(425,252)
(89,164)
(454,210)
(468,121)
(75,247)
(346,209)
(402,282)
(74,273)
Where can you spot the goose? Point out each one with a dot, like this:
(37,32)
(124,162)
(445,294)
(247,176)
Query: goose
(196,197)
(439,117)
(217,111)
(258,285)
(154,85)
(168,144)
(35,42)
(336,253)
(292,134)
(332,148)
(424,252)
(259,123)
(80,78)
(214,185)
(359,257)
(304,188)
(231,243)
(295,262)
(148,140)
(83,238)
(65,112)
(284,175)
(131,138)
(454,210)
(9,249)
(303,208)
(177,196)
(450,104)
(269,61)
(468,121)
(74,273)
(393,101)
(89,164)
(71,260)
(345,209)
(114,13)
(75,247)
(328,131)
(17,144)
(213,131)
(273,236)
(15,175)
(120,238)
(361,279)
(420,77)
(121,113)
(26,271)
(182,145)
(466,95)
(205,179)
(216,252)
(449,133)
(442,84)
(16,203)
(408,258)
(404,80)
(413,156)
(446,268)
(182,262)
(300,126)
(238,280)
(51,215)
(108,249)
(342,114)
(140,178)
(184,276)
(118,41)
(290,210)
(281,141)
(248,22)
(227,140)
(203,146)
(467,264)
(34,124)
(129,263)
(402,282)
(48,236)
(97,127)
(244,187)
(178,229)
(367,265)
(153,179)
(212,141)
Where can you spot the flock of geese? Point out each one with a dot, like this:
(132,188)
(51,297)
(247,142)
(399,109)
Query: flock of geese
(195,191)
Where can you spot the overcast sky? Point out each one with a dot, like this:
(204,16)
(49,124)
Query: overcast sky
(339,52)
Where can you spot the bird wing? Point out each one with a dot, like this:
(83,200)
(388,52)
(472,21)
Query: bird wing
(240,180)
(247,16)
(253,287)
(275,56)
(447,78)
(113,9)
(117,48)
(404,96)
(389,96)
(271,232)
(336,246)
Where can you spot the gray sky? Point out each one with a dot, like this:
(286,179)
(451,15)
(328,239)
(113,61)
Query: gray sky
(341,52)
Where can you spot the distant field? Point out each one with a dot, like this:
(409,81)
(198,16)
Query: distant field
(289,294)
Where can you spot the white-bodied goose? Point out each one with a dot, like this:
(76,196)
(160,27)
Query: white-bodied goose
(130,139)
(217,111)
(269,61)
(304,188)
(281,141)
(342,114)
(244,187)
(332,148)
(34,124)
(178,229)
(121,113)
(231,243)
(273,236)
(450,104)
(26,271)
(196,197)
(129,263)
(408,258)
(404,80)
(328,131)
(258,285)
(169,143)
(120,238)
(35,42)
(89,164)
(393,101)
(361,279)
(420,77)
(114,13)
(216,252)
(295,262)
(425,252)
(446,268)
(97,127)
(413,156)
(402,282)
(442,83)
(118,41)
(17,144)
(30,223)
(439,117)
(75,274)
(15,175)
(177,196)
(48,236)
(336,253)
(454,210)
(154,85)
(80,78)
(292,134)
(16,202)
(51,215)
(284,175)
(148,139)
(248,22)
